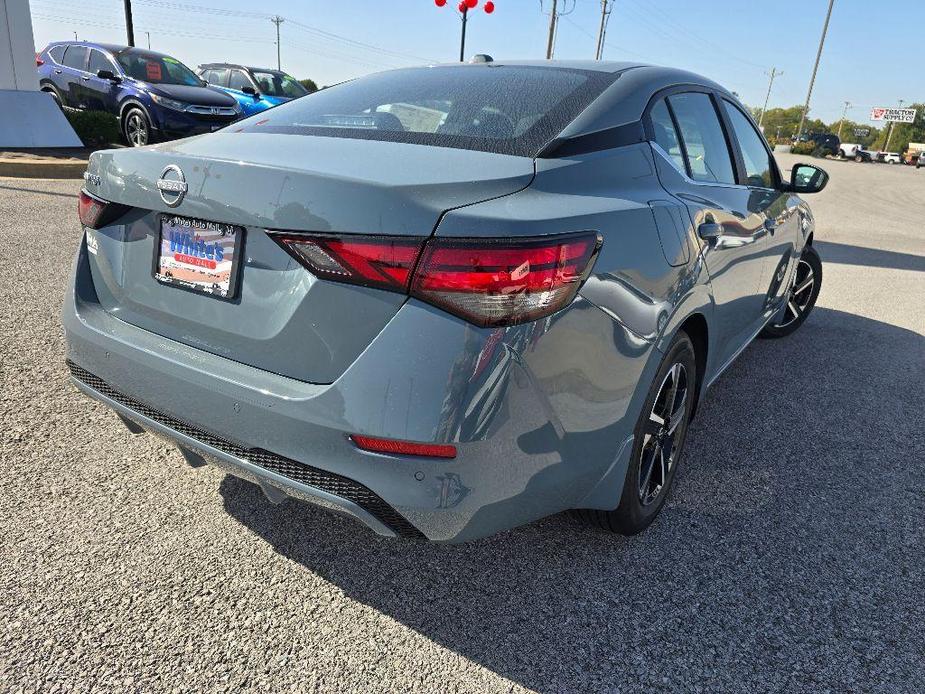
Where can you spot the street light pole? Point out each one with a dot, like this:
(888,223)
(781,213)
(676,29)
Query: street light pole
(462,39)
(812,80)
(552,31)
(774,73)
(129,27)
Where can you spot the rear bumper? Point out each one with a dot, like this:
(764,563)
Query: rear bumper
(541,414)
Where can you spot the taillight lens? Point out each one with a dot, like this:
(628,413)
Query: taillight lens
(397,447)
(489,282)
(503,282)
(384,262)
(38,61)
(90,210)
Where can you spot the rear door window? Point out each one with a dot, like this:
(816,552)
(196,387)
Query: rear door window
(57,53)
(703,139)
(76,57)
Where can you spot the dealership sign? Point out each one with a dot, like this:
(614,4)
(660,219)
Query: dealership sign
(894,115)
(861,132)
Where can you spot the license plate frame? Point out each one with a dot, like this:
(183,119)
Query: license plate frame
(195,252)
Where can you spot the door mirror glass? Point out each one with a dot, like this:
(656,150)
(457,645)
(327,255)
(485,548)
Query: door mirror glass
(250,90)
(107,75)
(806,178)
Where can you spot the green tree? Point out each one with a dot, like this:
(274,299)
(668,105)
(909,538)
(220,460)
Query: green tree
(310,85)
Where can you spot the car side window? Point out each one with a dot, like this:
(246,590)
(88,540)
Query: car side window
(238,80)
(57,53)
(666,136)
(99,61)
(708,156)
(758,169)
(75,57)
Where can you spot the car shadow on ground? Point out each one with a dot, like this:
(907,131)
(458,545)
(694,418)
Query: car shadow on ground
(785,557)
(847,254)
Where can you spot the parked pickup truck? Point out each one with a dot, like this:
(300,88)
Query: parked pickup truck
(852,151)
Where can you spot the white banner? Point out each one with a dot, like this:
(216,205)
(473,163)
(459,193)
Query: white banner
(894,115)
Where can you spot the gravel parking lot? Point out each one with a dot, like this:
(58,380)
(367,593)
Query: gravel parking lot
(789,557)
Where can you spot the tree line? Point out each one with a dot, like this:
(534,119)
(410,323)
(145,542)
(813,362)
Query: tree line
(780,125)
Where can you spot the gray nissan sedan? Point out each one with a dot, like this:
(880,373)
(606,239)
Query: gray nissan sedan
(447,300)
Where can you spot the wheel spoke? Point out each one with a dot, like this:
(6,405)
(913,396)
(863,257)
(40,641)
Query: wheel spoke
(645,472)
(806,284)
(678,415)
(793,309)
(654,425)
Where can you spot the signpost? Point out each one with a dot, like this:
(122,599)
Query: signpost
(893,115)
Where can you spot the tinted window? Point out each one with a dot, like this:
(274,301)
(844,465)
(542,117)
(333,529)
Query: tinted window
(98,61)
(504,109)
(216,76)
(75,57)
(665,134)
(238,80)
(278,84)
(156,68)
(754,154)
(708,156)
(57,53)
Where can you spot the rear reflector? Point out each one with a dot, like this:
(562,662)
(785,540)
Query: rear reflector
(384,262)
(395,447)
(490,282)
(496,282)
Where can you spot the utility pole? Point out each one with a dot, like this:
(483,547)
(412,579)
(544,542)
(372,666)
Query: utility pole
(148,34)
(774,73)
(277,20)
(812,80)
(889,133)
(842,121)
(129,27)
(552,30)
(462,40)
(606,9)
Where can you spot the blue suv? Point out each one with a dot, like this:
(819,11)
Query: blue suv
(255,89)
(155,97)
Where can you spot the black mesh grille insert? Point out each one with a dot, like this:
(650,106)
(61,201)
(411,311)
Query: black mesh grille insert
(320,479)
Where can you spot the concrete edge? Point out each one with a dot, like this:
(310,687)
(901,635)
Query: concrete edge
(25,168)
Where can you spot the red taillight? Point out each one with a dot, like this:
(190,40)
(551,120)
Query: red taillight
(502,282)
(385,262)
(90,210)
(489,282)
(38,61)
(396,447)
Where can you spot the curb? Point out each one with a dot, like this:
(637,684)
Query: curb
(37,168)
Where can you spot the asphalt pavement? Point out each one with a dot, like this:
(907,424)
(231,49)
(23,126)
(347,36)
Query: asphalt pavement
(789,557)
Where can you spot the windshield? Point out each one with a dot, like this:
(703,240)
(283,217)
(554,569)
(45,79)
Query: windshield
(156,68)
(493,108)
(278,84)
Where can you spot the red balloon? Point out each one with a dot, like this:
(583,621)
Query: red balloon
(489,7)
(440,3)
(471,3)
(462,6)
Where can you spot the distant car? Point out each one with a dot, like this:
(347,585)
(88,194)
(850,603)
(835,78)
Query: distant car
(154,96)
(827,144)
(255,89)
(890,157)
(854,151)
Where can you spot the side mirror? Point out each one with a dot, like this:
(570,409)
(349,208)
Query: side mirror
(107,75)
(250,90)
(806,178)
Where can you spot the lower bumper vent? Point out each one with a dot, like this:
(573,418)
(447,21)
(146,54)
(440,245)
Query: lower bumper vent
(328,482)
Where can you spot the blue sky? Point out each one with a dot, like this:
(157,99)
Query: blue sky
(734,43)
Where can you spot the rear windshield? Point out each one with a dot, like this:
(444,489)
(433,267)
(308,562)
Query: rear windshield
(504,109)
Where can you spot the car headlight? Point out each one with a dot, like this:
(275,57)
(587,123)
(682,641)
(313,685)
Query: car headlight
(169,103)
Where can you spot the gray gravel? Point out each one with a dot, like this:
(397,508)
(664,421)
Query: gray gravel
(789,557)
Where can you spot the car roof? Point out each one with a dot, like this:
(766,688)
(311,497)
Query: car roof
(111,47)
(206,66)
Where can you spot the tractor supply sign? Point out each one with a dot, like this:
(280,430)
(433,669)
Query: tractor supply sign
(893,115)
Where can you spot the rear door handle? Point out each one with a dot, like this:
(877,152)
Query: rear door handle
(86,77)
(57,72)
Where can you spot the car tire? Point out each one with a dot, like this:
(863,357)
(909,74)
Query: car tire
(859,159)
(136,127)
(55,96)
(801,296)
(650,473)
